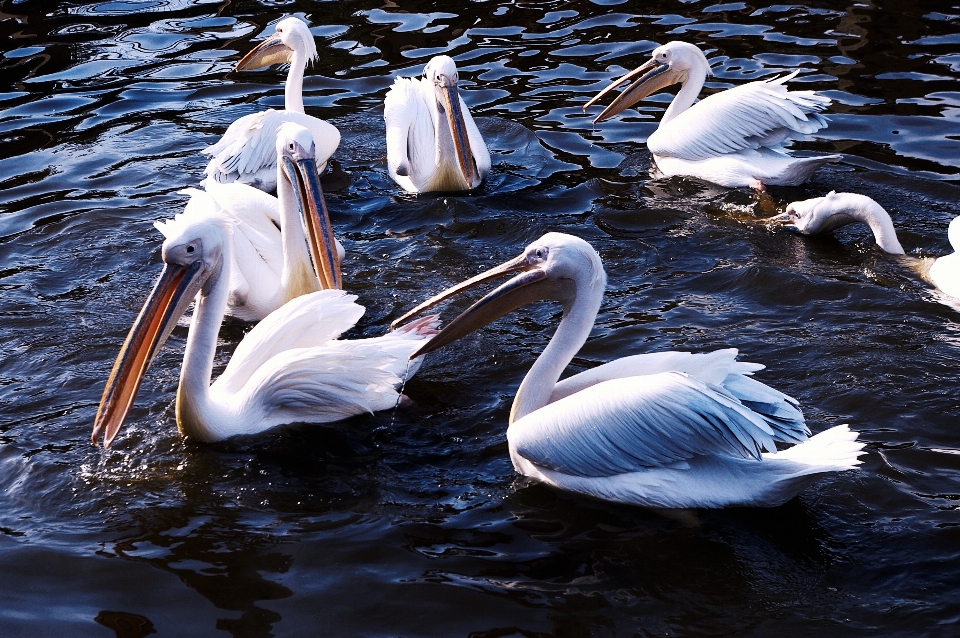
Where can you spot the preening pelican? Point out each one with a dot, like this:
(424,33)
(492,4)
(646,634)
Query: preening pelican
(433,143)
(732,138)
(245,153)
(283,246)
(824,214)
(289,368)
(668,430)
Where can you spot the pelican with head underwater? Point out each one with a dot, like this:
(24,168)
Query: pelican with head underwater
(666,429)
(733,138)
(433,144)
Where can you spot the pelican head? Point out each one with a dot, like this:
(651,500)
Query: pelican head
(292,35)
(549,268)
(820,214)
(669,64)
(441,72)
(193,256)
(298,173)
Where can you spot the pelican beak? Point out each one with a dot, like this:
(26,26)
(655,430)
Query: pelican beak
(270,51)
(171,295)
(530,285)
(448,99)
(315,218)
(783,219)
(654,76)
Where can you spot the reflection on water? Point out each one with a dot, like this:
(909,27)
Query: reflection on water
(414,523)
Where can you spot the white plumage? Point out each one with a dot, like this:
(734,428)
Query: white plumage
(433,144)
(272,255)
(733,138)
(289,368)
(246,152)
(671,430)
(824,214)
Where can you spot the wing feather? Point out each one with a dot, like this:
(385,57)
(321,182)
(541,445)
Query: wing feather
(635,423)
(762,114)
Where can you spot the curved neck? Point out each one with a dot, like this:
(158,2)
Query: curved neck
(293,89)
(193,393)
(689,91)
(298,276)
(571,334)
(873,215)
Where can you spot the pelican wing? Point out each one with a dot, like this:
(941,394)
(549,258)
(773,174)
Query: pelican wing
(410,132)
(636,423)
(321,384)
(761,114)
(719,368)
(248,150)
(306,321)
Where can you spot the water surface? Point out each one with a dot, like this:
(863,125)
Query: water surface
(414,523)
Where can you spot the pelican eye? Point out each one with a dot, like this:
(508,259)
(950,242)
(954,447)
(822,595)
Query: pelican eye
(190,249)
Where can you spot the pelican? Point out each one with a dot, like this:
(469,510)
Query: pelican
(283,246)
(433,143)
(245,153)
(289,368)
(732,138)
(824,214)
(666,430)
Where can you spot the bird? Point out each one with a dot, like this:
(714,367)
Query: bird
(433,143)
(732,138)
(245,153)
(824,214)
(289,368)
(665,430)
(283,246)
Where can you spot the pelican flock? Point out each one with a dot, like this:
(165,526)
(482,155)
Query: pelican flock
(824,214)
(669,430)
(245,153)
(732,138)
(433,144)
(290,368)
(665,429)
(284,246)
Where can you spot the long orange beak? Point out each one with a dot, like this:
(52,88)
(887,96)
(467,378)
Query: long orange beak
(171,295)
(316,221)
(270,51)
(655,76)
(449,99)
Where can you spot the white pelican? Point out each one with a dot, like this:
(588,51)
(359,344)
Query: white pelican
(824,214)
(667,430)
(245,153)
(433,143)
(283,246)
(732,138)
(289,368)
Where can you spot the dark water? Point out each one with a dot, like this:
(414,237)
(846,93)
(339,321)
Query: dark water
(414,524)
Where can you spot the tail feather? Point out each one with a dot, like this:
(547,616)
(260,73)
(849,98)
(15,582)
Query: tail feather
(800,170)
(835,449)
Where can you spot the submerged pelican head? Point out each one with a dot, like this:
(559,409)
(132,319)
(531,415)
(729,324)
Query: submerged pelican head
(292,35)
(668,64)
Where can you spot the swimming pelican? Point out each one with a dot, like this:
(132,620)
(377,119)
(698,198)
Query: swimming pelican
(289,368)
(824,214)
(245,153)
(433,143)
(732,138)
(668,430)
(283,246)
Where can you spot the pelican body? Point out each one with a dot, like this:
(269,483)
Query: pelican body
(433,143)
(289,368)
(666,430)
(245,153)
(732,138)
(283,246)
(824,214)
